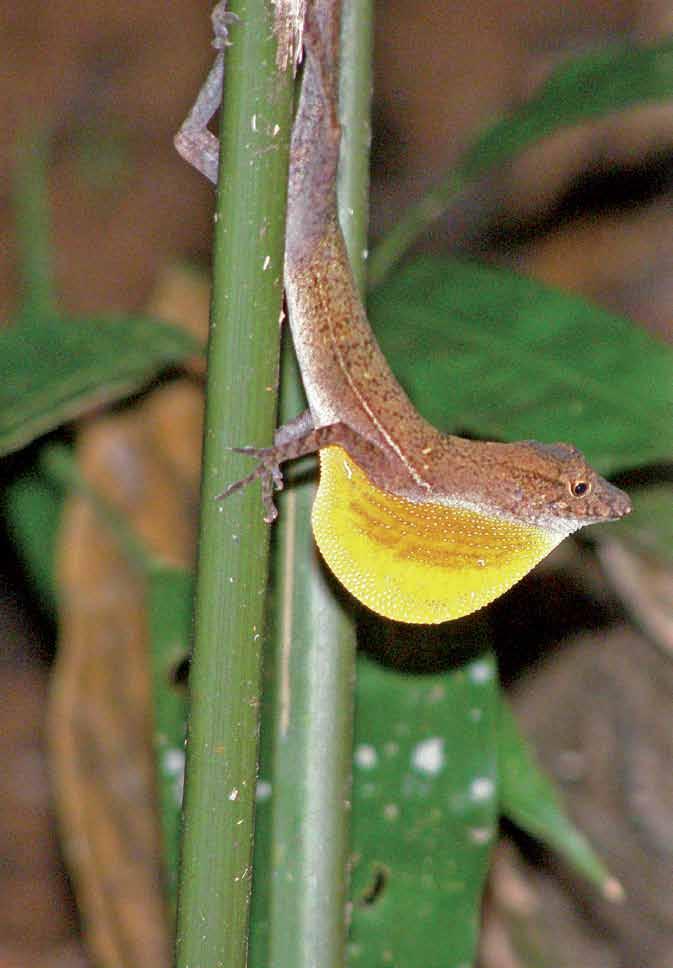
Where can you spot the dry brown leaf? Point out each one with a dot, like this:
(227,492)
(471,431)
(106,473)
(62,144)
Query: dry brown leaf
(144,461)
(182,296)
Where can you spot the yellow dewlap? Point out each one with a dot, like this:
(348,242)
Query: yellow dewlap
(422,563)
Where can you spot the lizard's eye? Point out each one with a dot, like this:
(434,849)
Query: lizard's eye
(579,488)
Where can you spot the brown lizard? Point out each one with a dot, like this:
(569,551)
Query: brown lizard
(418,525)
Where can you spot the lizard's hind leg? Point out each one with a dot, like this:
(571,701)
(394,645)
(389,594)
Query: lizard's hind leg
(194,142)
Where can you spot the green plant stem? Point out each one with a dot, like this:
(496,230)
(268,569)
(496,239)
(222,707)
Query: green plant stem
(33,230)
(413,223)
(215,876)
(315,634)
(314,650)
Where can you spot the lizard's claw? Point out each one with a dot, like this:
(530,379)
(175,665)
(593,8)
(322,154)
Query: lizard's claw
(267,470)
(270,509)
(268,463)
(221,18)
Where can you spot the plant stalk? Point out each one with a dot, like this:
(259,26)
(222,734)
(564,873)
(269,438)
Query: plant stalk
(33,223)
(315,633)
(215,877)
(414,221)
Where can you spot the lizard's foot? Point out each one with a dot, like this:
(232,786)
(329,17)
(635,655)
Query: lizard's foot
(194,142)
(267,470)
(220,19)
(297,439)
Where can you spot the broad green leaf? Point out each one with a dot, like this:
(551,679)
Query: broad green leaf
(52,370)
(32,509)
(530,800)
(488,353)
(586,87)
(424,813)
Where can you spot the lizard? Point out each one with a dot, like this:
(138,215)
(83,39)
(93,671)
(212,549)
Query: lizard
(420,526)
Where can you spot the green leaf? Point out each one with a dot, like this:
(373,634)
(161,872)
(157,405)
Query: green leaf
(488,353)
(32,507)
(530,800)
(424,813)
(586,87)
(51,370)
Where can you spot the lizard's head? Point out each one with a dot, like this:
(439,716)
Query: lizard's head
(555,487)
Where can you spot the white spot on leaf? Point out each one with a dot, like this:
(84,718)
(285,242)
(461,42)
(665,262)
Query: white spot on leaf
(482,788)
(428,756)
(366,756)
(480,835)
(174,761)
(481,671)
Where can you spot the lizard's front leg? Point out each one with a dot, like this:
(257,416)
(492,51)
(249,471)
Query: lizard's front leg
(293,441)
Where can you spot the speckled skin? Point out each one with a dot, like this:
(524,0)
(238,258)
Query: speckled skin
(355,400)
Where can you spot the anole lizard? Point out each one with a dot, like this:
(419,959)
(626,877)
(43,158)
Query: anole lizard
(419,526)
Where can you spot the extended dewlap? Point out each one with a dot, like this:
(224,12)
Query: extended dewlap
(412,562)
